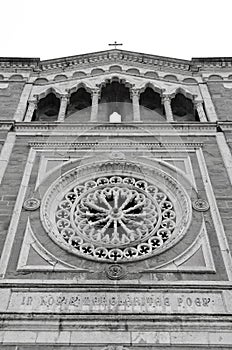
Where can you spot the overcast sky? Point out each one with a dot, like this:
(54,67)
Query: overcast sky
(173,28)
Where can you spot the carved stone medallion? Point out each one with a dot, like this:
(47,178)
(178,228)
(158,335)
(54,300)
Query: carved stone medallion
(31,204)
(200,204)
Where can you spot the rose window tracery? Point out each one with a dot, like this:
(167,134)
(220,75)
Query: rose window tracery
(115,218)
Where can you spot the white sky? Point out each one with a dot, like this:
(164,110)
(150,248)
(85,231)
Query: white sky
(173,28)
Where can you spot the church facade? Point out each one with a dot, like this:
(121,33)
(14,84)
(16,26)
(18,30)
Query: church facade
(115,198)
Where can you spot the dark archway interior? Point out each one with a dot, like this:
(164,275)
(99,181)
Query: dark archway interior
(183,109)
(47,109)
(151,101)
(115,97)
(79,100)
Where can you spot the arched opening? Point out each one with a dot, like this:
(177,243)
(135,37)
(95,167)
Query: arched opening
(47,109)
(79,100)
(183,109)
(151,108)
(115,97)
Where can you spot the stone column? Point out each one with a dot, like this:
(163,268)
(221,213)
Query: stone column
(166,100)
(94,109)
(32,105)
(63,106)
(135,102)
(200,110)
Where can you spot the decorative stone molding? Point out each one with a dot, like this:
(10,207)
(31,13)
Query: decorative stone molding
(200,204)
(115,272)
(120,145)
(200,110)
(31,204)
(63,106)
(32,106)
(116,218)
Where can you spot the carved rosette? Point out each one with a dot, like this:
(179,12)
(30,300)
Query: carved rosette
(116,218)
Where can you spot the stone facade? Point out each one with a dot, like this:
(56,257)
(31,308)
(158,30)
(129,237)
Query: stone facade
(115,203)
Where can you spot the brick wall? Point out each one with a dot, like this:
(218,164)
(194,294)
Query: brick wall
(9,99)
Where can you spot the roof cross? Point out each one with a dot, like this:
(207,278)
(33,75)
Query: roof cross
(115,44)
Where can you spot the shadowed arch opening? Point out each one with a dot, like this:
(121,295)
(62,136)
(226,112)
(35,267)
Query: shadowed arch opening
(150,100)
(80,100)
(183,108)
(47,108)
(115,97)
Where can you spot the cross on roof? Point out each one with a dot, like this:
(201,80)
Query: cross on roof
(115,44)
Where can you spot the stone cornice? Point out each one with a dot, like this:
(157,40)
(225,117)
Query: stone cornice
(94,129)
(113,57)
(6,125)
(109,146)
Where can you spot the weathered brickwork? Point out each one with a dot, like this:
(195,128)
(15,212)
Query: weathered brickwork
(9,99)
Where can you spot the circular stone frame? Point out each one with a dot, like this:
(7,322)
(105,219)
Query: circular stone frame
(153,176)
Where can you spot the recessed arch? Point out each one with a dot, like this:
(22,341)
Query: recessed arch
(60,77)
(41,81)
(97,71)
(183,108)
(214,77)
(133,71)
(79,74)
(16,77)
(47,108)
(80,100)
(170,77)
(1,77)
(115,68)
(151,108)
(190,81)
(115,97)
(151,74)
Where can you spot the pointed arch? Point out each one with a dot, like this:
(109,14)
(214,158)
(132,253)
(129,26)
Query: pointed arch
(115,96)
(155,87)
(78,86)
(115,78)
(183,91)
(46,91)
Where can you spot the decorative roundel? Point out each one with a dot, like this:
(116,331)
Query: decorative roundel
(31,204)
(117,218)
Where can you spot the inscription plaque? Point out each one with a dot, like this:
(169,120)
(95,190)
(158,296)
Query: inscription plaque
(121,302)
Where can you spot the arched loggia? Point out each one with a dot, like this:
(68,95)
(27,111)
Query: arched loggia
(79,100)
(47,108)
(151,108)
(115,97)
(183,108)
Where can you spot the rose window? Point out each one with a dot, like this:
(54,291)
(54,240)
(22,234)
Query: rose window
(115,219)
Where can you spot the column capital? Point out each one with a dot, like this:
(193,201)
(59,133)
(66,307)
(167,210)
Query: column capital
(65,97)
(197,102)
(135,92)
(165,98)
(95,92)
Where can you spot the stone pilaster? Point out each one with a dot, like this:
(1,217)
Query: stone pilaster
(135,102)
(63,106)
(166,100)
(200,110)
(32,105)
(94,109)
